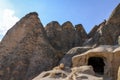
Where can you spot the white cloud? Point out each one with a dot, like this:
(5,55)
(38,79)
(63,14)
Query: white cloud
(8,19)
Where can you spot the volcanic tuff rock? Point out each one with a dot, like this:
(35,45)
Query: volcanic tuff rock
(67,59)
(81,35)
(118,76)
(28,48)
(54,34)
(103,64)
(107,32)
(30,51)
(93,31)
(115,16)
(109,55)
(105,58)
(21,28)
(77,73)
(64,37)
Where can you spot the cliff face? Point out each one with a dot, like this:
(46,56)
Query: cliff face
(29,51)
(64,37)
(28,48)
(107,32)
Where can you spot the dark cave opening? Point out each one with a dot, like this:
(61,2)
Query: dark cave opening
(98,64)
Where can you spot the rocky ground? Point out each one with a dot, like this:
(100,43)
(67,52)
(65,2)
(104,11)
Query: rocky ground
(61,52)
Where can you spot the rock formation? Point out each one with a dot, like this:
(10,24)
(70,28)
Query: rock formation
(81,35)
(103,59)
(64,37)
(77,73)
(118,76)
(29,49)
(107,32)
(54,34)
(114,18)
(67,59)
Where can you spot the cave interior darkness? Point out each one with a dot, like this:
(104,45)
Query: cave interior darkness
(98,64)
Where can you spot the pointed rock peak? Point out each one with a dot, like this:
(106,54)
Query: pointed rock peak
(115,16)
(93,31)
(31,14)
(52,22)
(54,25)
(67,25)
(79,27)
(116,11)
(20,30)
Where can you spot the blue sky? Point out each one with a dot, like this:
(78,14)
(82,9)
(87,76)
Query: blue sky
(86,12)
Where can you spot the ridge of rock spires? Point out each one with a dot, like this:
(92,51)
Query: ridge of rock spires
(28,49)
(64,37)
(99,48)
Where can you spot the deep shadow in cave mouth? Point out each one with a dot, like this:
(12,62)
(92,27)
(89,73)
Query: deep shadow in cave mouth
(98,64)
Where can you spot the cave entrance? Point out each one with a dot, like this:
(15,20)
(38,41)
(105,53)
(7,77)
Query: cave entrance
(98,64)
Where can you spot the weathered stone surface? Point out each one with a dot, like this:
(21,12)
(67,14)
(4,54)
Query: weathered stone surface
(81,35)
(107,56)
(115,16)
(67,59)
(32,54)
(93,31)
(68,35)
(65,37)
(116,62)
(58,75)
(107,32)
(28,49)
(18,32)
(54,34)
(77,73)
(118,76)
(84,70)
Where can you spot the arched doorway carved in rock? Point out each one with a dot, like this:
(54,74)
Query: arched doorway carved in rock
(98,64)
